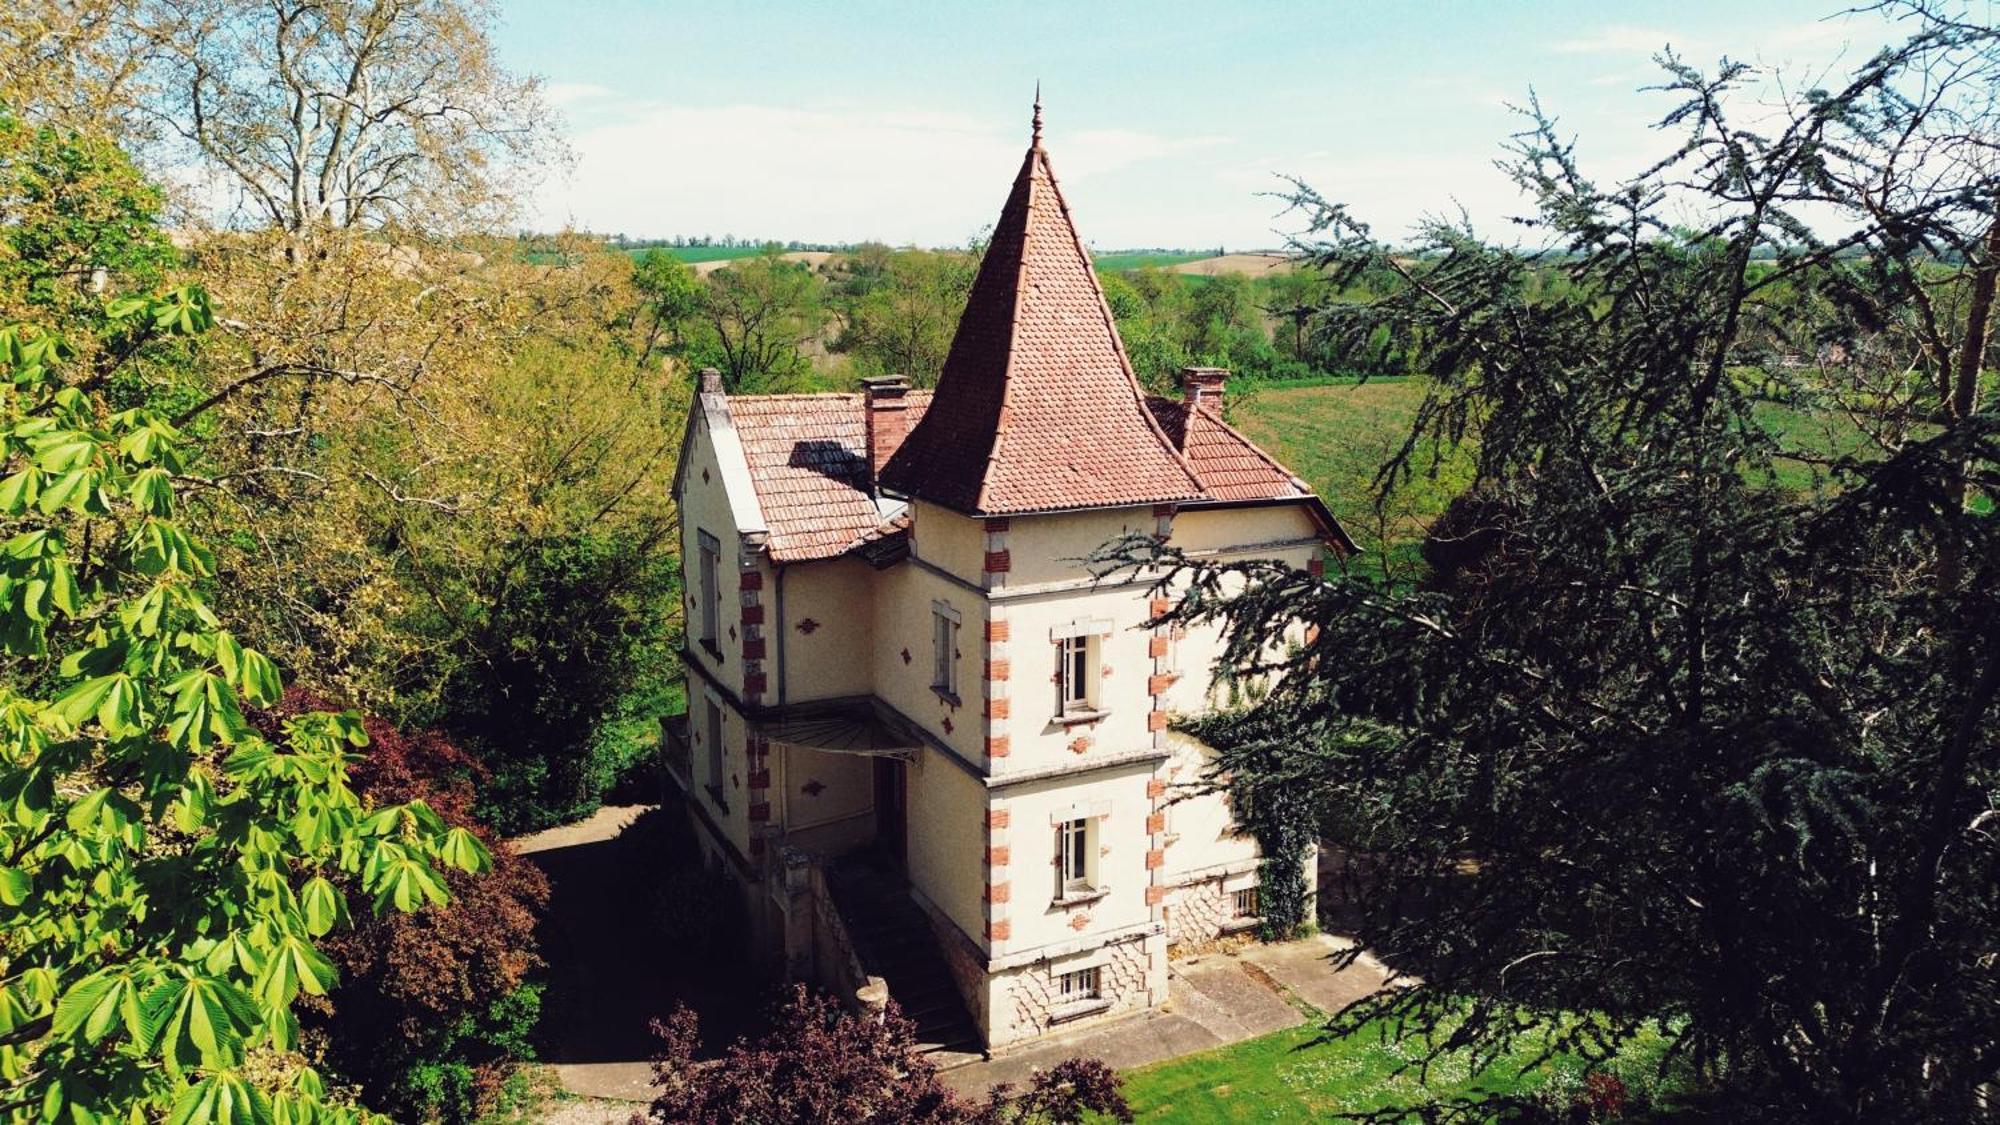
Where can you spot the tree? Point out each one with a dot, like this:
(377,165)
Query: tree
(904,322)
(167,872)
(822,1065)
(758,314)
(1693,730)
(329,114)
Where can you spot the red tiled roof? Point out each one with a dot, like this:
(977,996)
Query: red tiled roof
(1226,463)
(808,459)
(1037,408)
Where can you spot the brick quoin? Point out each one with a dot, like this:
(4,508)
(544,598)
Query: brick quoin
(753,615)
(1162,510)
(996,523)
(754,684)
(1157,684)
(999,562)
(997,818)
(752,580)
(1156,858)
(1156,823)
(1155,788)
(997,855)
(1156,647)
(1155,895)
(996,708)
(999,931)
(760,812)
(1159,606)
(1156,720)
(996,630)
(753,649)
(1000,892)
(761,779)
(998,670)
(756,847)
(998,746)
(1317,567)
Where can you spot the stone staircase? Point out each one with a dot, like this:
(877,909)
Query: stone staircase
(893,938)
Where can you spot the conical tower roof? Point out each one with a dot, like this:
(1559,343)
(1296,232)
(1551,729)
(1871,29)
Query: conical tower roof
(1037,409)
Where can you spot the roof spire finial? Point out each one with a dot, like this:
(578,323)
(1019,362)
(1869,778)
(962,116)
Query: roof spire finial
(1036,140)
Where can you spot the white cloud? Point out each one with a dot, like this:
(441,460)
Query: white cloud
(571,93)
(1616,39)
(818,174)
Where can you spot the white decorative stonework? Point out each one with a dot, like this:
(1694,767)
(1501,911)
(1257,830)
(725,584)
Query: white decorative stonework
(1031,1001)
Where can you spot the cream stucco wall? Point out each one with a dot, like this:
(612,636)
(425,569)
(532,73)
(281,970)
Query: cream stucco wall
(948,540)
(729,805)
(823,630)
(1116,799)
(825,802)
(1052,548)
(947,840)
(1202,840)
(1041,739)
(705,507)
(901,656)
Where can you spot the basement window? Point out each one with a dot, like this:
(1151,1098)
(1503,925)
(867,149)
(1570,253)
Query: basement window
(1246,903)
(1080,985)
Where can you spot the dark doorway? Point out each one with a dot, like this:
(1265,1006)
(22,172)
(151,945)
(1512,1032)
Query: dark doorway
(891,819)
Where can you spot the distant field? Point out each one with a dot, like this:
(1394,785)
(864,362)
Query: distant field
(692,254)
(1139,259)
(1253,265)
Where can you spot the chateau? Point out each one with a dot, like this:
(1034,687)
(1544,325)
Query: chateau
(936,751)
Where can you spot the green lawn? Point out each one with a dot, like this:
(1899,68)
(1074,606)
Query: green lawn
(1287,1076)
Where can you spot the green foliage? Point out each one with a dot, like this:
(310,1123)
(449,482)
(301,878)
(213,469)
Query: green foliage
(576,642)
(163,863)
(1664,736)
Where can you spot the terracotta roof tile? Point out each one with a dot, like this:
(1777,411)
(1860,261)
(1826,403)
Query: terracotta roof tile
(1226,463)
(808,459)
(1037,408)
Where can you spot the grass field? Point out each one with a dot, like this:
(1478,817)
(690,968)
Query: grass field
(1138,259)
(1287,1076)
(694,254)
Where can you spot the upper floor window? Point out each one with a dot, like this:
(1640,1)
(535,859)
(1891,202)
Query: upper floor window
(711,589)
(1078,673)
(944,649)
(1076,858)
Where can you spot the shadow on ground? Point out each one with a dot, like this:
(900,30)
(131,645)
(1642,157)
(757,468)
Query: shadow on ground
(611,971)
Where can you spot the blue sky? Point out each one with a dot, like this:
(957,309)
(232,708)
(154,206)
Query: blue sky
(1165,121)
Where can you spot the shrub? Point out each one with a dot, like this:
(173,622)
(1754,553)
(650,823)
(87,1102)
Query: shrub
(820,1063)
(434,1008)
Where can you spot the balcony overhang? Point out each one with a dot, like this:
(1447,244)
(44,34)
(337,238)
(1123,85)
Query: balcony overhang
(850,725)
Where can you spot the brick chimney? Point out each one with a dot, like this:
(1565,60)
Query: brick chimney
(883,411)
(1203,385)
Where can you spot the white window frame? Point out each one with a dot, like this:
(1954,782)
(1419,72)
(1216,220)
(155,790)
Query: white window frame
(1242,895)
(1076,856)
(1079,672)
(710,577)
(945,622)
(1077,986)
